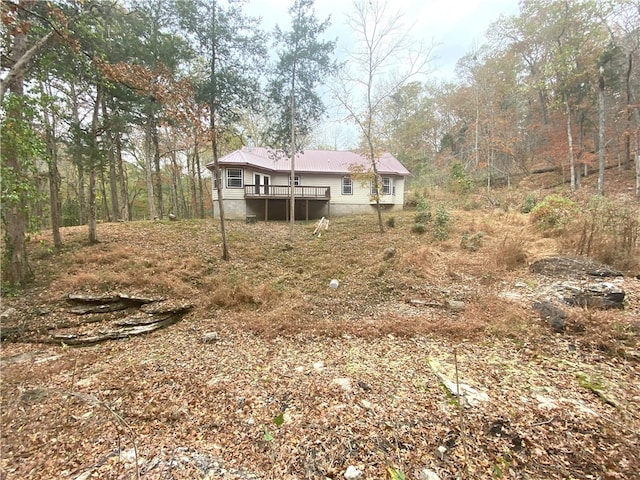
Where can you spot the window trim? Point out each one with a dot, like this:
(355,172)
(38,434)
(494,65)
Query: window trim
(342,183)
(229,177)
(387,186)
(296,181)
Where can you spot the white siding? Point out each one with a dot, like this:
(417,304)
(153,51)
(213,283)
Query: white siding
(359,201)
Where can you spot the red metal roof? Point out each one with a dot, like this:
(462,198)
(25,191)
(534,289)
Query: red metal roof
(311,161)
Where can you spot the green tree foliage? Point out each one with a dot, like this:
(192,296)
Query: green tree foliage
(304,60)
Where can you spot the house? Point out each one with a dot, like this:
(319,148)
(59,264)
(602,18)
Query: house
(256,184)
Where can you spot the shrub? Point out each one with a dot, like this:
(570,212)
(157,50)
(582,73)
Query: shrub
(391,222)
(528,203)
(552,214)
(511,254)
(441,231)
(418,228)
(423,216)
(609,232)
(459,181)
(472,242)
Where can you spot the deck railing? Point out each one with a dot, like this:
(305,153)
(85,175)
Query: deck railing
(284,191)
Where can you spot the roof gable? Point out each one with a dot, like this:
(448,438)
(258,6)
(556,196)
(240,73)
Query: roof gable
(311,161)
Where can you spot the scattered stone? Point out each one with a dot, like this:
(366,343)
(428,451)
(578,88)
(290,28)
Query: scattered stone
(172,217)
(7,313)
(344,383)
(352,473)
(367,405)
(389,253)
(364,386)
(318,366)
(428,474)
(34,395)
(471,395)
(455,305)
(210,337)
(334,283)
(553,315)
(442,452)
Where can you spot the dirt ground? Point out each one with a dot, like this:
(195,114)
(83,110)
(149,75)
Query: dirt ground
(304,381)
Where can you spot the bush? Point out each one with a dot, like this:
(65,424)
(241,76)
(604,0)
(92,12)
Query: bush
(529,203)
(423,216)
(512,254)
(472,242)
(609,232)
(442,220)
(418,228)
(552,214)
(459,181)
(391,222)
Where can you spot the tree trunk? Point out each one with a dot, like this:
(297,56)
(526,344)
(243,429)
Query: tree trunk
(148,166)
(157,173)
(15,214)
(122,179)
(105,203)
(627,138)
(54,176)
(111,157)
(292,179)
(93,162)
(572,167)
(601,144)
(214,134)
(175,179)
(77,158)
(191,175)
(200,188)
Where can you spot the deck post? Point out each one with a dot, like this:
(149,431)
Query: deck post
(266,209)
(306,202)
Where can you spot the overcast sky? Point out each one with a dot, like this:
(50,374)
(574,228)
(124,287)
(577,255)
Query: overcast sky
(455,25)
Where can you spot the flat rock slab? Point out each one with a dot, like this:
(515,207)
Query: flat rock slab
(574,267)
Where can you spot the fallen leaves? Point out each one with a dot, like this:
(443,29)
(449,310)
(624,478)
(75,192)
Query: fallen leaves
(303,381)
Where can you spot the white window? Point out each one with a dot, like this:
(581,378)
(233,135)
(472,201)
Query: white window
(234,178)
(296,181)
(347,186)
(386,186)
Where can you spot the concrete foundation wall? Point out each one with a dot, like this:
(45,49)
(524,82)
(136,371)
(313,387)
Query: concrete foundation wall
(239,209)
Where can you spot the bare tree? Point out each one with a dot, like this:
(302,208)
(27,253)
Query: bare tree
(384,59)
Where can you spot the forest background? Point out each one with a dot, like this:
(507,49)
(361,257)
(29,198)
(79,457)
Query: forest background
(110,110)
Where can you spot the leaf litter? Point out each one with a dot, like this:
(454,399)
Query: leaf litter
(304,381)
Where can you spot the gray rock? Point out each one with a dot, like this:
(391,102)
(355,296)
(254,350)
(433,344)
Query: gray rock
(353,473)
(7,313)
(553,314)
(389,253)
(455,305)
(428,474)
(210,337)
(602,295)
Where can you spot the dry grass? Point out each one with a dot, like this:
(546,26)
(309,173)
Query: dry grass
(277,319)
(272,288)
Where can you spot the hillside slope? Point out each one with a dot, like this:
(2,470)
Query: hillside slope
(302,380)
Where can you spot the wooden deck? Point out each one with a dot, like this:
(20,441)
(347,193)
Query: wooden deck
(284,192)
